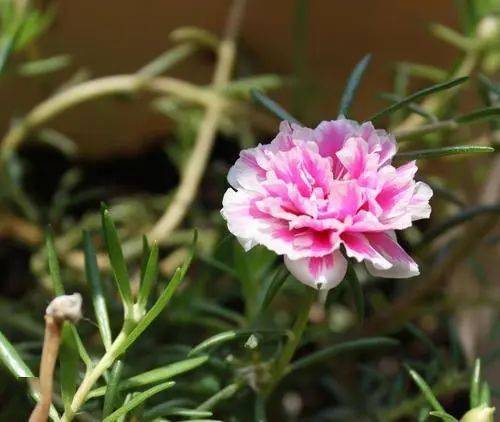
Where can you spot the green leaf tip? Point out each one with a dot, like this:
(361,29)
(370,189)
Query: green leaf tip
(445,151)
(272,106)
(418,95)
(425,389)
(352,85)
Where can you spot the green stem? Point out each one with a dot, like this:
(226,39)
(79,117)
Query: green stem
(95,373)
(448,384)
(294,340)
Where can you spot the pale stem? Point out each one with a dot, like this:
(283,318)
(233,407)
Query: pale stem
(51,343)
(93,376)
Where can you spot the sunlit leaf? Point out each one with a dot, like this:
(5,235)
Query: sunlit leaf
(116,259)
(475,385)
(443,416)
(485,394)
(426,391)
(161,303)
(137,400)
(96,291)
(149,277)
(155,375)
(224,394)
(11,359)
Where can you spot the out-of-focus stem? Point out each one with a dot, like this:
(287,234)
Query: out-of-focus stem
(102,87)
(197,163)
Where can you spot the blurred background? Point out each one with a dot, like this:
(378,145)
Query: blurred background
(105,39)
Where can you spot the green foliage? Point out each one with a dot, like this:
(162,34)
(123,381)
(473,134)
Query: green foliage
(138,399)
(419,95)
(444,151)
(273,107)
(116,259)
(353,85)
(11,359)
(96,291)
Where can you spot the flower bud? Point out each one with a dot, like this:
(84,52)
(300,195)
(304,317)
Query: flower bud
(479,414)
(66,307)
(488,29)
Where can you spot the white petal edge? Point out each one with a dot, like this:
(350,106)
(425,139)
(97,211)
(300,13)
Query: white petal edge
(328,277)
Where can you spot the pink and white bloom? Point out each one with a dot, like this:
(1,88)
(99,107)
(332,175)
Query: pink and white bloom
(316,195)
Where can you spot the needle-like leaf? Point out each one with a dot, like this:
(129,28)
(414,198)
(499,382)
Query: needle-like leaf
(419,95)
(155,375)
(96,291)
(475,385)
(348,346)
(54,270)
(11,359)
(426,390)
(444,151)
(116,257)
(149,277)
(137,400)
(112,389)
(272,106)
(353,85)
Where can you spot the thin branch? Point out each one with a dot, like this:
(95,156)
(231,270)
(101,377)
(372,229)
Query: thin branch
(198,161)
(102,87)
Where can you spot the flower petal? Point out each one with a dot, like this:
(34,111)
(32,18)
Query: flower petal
(403,266)
(419,206)
(357,246)
(322,273)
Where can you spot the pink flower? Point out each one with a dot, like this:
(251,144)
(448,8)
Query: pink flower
(315,195)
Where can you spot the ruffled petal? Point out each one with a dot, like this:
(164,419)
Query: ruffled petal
(419,206)
(357,246)
(403,266)
(322,273)
(354,156)
(236,210)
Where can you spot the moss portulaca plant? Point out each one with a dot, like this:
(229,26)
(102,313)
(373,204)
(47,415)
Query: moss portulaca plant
(316,195)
